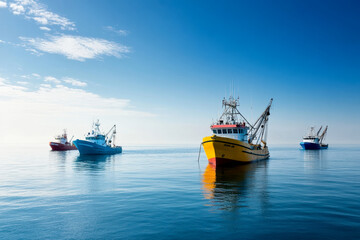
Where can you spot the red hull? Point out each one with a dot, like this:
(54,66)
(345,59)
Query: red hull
(61,147)
(223,161)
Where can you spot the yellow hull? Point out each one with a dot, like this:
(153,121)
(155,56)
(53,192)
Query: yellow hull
(220,151)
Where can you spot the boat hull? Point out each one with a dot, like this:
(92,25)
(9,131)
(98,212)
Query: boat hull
(225,151)
(61,147)
(310,146)
(89,148)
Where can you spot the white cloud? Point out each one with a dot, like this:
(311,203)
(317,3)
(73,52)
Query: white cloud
(76,47)
(2,41)
(22,82)
(52,79)
(31,9)
(117,31)
(74,82)
(35,75)
(45,28)
(3,4)
(31,76)
(34,116)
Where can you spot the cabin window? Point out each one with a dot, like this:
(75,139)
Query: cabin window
(219,131)
(241,131)
(235,130)
(224,131)
(229,130)
(214,131)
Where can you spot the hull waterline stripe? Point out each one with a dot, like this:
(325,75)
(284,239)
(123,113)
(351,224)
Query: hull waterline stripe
(264,155)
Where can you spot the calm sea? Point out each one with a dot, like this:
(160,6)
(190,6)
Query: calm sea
(163,193)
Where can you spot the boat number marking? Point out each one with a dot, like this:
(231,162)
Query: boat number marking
(227,145)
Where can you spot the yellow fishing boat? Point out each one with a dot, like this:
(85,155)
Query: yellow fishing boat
(234,139)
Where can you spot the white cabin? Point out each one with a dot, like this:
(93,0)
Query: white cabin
(96,136)
(234,131)
(312,137)
(62,138)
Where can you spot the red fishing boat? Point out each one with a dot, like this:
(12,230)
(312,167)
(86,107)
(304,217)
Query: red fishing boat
(62,143)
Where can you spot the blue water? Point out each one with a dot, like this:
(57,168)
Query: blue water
(162,193)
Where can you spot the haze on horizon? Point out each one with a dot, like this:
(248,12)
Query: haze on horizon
(160,69)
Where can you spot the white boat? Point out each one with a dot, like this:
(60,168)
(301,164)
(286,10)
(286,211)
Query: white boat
(314,141)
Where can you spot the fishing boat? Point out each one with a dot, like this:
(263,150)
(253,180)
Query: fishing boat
(314,141)
(97,143)
(234,139)
(61,143)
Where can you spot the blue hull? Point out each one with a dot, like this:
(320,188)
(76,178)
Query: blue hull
(89,148)
(310,146)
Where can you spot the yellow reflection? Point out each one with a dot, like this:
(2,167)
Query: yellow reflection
(228,187)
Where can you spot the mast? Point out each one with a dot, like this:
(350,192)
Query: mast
(96,127)
(231,114)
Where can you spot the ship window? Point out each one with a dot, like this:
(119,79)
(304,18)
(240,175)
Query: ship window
(235,130)
(214,131)
(224,131)
(241,131)
(219,131)
(229,130)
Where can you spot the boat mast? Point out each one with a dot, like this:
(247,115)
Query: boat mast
(96,127)
(261,124)
(231,112)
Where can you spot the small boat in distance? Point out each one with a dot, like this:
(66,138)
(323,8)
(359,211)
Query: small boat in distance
(62,143)
(97,142)
(314,141)
(234,139)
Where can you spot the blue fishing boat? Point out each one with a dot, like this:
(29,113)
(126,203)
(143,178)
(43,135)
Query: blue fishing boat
(314,141)
(97,142)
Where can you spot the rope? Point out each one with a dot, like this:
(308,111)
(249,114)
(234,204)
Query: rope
(199,156)
(199,152)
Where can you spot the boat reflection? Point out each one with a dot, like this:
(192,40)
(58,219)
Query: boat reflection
(229,188)
(93,162)
(315,159)
(60,158)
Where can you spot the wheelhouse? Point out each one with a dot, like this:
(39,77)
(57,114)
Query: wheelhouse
(235,131)
(312,139)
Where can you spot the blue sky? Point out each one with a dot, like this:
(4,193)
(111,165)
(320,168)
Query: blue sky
(159,69)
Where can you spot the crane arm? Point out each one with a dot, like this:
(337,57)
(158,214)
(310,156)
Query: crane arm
(319,131)
(262,120)
(110,130)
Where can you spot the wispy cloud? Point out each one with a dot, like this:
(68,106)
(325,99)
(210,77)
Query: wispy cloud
(45,28)
(76,47)
(3,4)
(42,111)
(31,76)
(52,79)
(31,9)
(35,75)
(45,100)
(120,32)
(74,82)
(22,82)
